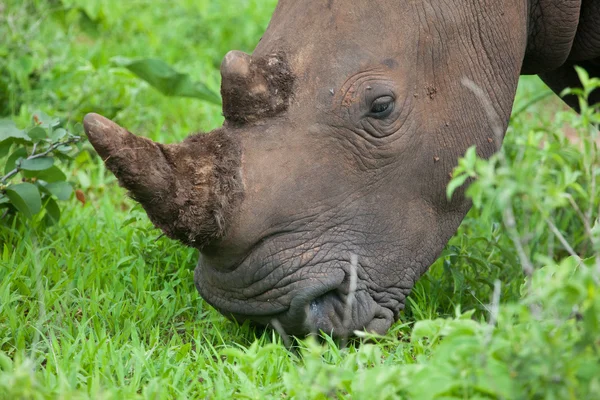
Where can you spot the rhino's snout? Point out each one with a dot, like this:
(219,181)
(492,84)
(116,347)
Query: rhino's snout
(332,303)
(338,313)
(335,313)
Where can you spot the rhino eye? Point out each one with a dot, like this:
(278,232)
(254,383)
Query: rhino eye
(382,107)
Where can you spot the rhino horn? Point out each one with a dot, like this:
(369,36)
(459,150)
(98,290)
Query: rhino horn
(239,74)
(253,89)
(188,190)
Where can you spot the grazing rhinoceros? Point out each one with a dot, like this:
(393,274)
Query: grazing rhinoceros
(340,133)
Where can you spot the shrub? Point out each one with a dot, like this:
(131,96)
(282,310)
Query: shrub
(32,182)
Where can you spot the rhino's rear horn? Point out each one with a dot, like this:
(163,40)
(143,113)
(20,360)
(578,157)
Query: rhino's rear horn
(189,190)
(255,88)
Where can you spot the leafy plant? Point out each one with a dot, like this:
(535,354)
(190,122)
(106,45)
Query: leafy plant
(558,195)
(32,156)
(167,80)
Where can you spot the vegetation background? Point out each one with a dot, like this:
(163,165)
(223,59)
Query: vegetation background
(98,305)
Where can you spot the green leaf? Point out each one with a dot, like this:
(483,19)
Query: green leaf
(13,158)
(426,329)
(26,198)
(470,157)
(4,201)
(84,180)
(6,363)
(26,66)
(583,76)
(52,212)
(64,148)
(5,147)
(52,174)
(77,129)
(37,134)
(167,80)
(37,164)
(454,184)
(62,190)
(45,121)
(58,134)
(8,130)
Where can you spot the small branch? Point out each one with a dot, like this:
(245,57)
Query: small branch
(494,312)
(586,223)
(33,156)
(585,219)
(12,173)
(509,221)
(55,146)
(495,306)
(561,238)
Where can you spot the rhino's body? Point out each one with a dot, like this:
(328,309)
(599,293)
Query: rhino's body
(341,131)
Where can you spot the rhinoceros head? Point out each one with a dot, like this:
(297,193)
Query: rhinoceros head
(321,200)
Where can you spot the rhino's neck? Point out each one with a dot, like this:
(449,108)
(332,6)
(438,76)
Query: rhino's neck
(552,30)
(561,31)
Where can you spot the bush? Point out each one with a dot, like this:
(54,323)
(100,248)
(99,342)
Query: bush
(542,347)
(32,156)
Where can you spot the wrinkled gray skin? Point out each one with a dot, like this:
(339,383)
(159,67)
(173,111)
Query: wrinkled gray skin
(341,131)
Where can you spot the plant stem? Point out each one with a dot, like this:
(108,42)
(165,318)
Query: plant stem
(50,149)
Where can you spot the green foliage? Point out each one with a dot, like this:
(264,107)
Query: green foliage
(60,56)
(103,307)
(32,153)
(168,81)
(560,183)
(538,349)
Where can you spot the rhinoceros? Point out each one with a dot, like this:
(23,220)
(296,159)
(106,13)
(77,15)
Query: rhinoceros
(321,199)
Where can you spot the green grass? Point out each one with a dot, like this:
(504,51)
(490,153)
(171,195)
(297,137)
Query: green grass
(100,306)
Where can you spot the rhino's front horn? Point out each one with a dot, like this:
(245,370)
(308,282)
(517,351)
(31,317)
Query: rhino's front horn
(189,190)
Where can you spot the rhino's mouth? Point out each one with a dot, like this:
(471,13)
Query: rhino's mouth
(302,293)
